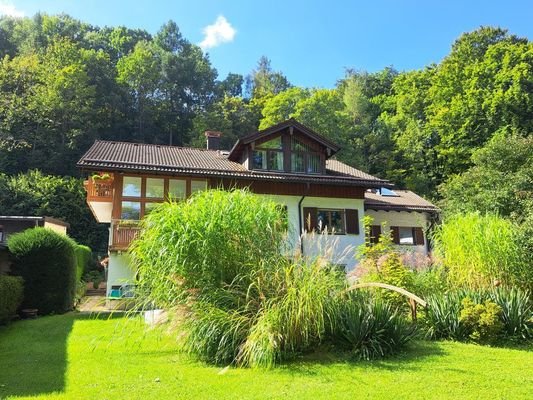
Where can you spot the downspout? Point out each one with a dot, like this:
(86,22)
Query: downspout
(300,232)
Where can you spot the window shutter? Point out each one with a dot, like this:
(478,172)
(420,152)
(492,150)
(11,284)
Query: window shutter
(310,219)
(375,233)
(395,234)
(352,222)
(418,236)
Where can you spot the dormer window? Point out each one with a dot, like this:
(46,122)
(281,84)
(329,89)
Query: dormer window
(269,155)
(304,158)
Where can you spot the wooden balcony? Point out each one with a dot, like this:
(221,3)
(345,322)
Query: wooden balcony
(123,234)
(100,190)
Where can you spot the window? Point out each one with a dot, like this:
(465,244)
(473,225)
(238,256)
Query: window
(155,187)
(406,235)
(269,155)
(131,210)
(336,221)
(131,186)
(331,221)
(140,195)
(148,207)
(197,186)
(177,189)
(304,158)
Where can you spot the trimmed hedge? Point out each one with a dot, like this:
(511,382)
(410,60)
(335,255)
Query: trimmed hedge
(83,258)
(47,263)
(11,291)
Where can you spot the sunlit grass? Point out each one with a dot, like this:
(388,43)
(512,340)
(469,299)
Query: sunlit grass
(70,357)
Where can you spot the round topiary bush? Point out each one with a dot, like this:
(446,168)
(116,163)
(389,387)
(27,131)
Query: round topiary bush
(47,263)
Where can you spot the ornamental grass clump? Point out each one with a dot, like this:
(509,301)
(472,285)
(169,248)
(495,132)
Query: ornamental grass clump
(477,249)
(219,260)
(193,248)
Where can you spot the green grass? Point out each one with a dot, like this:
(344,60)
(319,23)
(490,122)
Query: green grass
(75,357)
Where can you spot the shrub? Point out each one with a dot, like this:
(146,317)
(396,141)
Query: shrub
(482,321)
(45,260)
(370,327)
(448,316)
(11,292)
(83,260)
(478,249)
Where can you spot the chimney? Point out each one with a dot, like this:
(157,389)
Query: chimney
(213,140)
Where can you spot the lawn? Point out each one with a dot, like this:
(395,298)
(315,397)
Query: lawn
(76,357)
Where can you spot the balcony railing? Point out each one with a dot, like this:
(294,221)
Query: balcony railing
(99,189)
(123,233)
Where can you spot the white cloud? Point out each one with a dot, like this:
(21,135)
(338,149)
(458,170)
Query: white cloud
(216,34)
(10,10)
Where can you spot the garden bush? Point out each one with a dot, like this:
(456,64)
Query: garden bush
(370,327)
(46,261)
(11,292)
(83,260)
(482,321)
(471,315)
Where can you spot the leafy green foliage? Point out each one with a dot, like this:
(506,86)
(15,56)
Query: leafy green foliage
(482,321)
(83,260)
(37,194)
(479,315)
(11,294)
(46,261)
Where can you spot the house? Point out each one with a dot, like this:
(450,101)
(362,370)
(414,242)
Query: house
(10,224)
(288,162)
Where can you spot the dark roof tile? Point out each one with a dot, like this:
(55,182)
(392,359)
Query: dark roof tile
(104,155)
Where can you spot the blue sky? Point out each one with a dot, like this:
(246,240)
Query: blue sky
(311,42)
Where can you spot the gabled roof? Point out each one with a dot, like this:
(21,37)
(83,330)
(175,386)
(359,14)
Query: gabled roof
(173,160)
(405,200)
(235,152)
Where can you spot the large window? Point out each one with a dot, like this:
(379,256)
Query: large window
(269,155)
(301,157)
(140,195)
(406,235)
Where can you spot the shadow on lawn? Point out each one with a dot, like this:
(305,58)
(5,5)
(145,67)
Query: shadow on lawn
(408,359)
(33,355)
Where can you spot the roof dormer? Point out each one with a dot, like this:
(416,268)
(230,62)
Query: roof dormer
(286,147)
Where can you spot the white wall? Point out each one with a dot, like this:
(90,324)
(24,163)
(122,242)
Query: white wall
(119,271)
(403,218)
(339,249)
